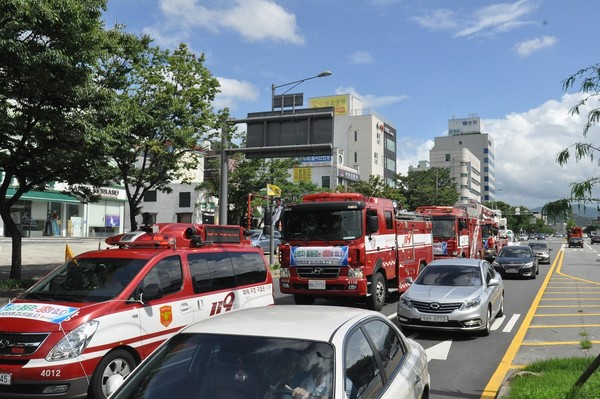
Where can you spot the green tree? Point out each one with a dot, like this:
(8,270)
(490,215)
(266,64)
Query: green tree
(159,116)
(251,176)
(581,192)
(47,50)
(375,187)
(434,186)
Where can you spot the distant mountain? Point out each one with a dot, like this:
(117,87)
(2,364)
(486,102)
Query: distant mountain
(583,216)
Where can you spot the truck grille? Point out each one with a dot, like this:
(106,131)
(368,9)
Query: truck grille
(425,307)
(318,272)
(16,344)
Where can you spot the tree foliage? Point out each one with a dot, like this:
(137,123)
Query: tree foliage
(433,186)
(250,177)
(375,187)
(47,50)
(159,116)
(581,192)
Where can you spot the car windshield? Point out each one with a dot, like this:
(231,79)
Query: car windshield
(230,366)
(450,275)
(255,234)
(87,280)
(443,227)
(322,225)
(509,252)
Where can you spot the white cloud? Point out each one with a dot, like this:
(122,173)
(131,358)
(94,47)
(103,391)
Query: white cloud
(254,20)
(528,47)
(361,57)
(370,100)
(526,146)
(495,18)
(234,91)
(440,19)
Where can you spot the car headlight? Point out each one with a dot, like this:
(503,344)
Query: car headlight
(355,273)
(470,303)
(528,265)
(72,344)
(284,272)
(404,301)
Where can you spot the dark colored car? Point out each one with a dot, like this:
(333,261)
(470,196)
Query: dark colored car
(595,238)
(517,260)
(575,242)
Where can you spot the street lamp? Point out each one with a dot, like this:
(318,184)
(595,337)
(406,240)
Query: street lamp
(294,83)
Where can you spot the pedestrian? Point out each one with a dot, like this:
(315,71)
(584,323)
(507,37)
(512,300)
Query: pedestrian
(55,221)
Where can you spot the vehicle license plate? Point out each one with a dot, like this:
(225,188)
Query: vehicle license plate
(512,270)
(436,318)
(5,378)
(316,284)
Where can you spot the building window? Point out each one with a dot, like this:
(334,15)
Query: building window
(325,181)
(150,196)
(378,138)
(375,158)
(390,164)
(355,157)
(448,158)
(185,200)
(390,144)
(356,135)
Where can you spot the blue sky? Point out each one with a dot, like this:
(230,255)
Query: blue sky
(416,62)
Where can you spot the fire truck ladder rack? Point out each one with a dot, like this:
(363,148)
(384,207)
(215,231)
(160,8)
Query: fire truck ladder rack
(404,215)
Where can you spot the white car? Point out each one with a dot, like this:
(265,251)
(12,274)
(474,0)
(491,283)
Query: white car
(270,352)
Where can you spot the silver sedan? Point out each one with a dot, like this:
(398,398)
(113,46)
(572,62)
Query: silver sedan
(283,351)
(453,294)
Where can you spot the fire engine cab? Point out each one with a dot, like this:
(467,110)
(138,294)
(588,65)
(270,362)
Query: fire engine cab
(104,311)
(349,245)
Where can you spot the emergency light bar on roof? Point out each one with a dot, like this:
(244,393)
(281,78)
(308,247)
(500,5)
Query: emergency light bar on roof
(172,235)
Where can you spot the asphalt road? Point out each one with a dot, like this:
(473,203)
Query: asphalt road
(546,317)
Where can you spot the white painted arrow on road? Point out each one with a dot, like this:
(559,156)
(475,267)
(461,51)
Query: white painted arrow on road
(439,351)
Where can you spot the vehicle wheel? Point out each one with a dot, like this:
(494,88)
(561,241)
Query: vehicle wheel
(501,310)
(488,323)
(304,299)
(378,292)
(116,362)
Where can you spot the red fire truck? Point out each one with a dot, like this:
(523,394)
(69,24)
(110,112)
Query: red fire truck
(468,230)
(349,245)
(104,311)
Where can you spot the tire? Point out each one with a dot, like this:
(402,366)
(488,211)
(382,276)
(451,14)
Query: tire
(304,299)
(116,362)
(501,310)
(378,292)
(488,323)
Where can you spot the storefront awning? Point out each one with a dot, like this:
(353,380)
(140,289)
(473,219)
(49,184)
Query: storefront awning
(44,196)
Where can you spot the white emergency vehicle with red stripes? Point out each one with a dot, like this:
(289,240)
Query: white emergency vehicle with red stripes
(349,245)
(104,311)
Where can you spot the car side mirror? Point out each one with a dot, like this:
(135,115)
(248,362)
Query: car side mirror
(493,282)
(409,280)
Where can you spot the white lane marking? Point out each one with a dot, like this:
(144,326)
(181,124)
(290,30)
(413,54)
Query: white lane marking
(498,322)
(439,351)
(511,323)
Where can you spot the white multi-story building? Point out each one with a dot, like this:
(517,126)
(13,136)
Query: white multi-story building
(364,145)
(185,204)
(469,154)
